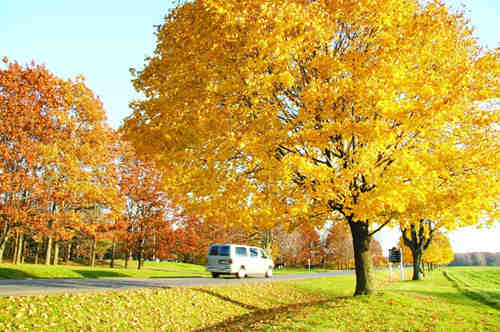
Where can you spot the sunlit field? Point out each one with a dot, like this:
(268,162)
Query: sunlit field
(447,300)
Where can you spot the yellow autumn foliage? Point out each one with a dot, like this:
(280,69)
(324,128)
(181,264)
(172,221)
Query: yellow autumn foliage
(309,109)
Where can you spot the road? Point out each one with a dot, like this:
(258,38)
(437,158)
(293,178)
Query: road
(52,286)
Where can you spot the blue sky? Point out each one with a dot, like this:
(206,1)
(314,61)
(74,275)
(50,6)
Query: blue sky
(103,39)
(99,39)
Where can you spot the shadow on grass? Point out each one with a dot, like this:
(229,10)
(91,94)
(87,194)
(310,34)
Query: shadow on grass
(7,273)
(242,322)
(179,277)
(228,299)
(457,298)
(483,297)
(99,274)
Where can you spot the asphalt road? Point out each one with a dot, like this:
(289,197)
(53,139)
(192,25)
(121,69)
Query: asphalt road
(52,286)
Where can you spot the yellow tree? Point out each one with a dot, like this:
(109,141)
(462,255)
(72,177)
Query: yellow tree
(417,238)
(298,111)
(80,186)
(439,251)
(407,254)
(455,184)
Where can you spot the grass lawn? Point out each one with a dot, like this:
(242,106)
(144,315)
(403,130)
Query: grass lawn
(483,284)
(150,269)
(298,270)
(436,304)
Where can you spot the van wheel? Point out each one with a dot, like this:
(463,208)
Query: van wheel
(242,273)
(269,272)
(215,275)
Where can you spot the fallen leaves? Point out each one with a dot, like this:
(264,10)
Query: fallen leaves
(147,309)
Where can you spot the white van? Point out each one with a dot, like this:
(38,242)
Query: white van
(238,260)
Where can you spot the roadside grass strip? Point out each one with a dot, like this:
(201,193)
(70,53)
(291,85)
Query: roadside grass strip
(323,304)
(298,270)
(150,270)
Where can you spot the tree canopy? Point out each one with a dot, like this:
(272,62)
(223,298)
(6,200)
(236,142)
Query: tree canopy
(299,111)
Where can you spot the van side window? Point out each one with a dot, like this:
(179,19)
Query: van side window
(224,251)
(214,251)
(253,253)
(241,251)
(263,254)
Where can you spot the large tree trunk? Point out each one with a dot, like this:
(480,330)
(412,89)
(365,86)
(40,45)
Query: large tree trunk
(155,249)
(93,248)
(365,281)
(140,255)
(68,253)
(418,242)
(19,250)
(16,248)
(37,246)
(22,250)
(113,248)
(267,240)
(48,253)
(10,248)
(56,253)
(2,249)
(128,254)
(418,273)
(4,237)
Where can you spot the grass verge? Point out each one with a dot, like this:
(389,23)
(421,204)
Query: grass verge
(298,270)
(322,304)
(150,270)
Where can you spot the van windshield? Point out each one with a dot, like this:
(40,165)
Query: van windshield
(219,251)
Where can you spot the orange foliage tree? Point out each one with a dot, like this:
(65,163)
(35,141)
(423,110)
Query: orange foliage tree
(28,101)
(298,247)
(54,158)
(338,246)
(339,249)
(193,237)
(146,205)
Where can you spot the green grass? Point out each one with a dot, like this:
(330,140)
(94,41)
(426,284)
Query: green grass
(482,284)
(150,270)
(325,304)
(299,270)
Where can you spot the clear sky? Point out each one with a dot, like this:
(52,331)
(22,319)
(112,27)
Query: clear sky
(102,39)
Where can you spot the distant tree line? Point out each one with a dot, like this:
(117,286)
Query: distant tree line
(476,259)
(70,187)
